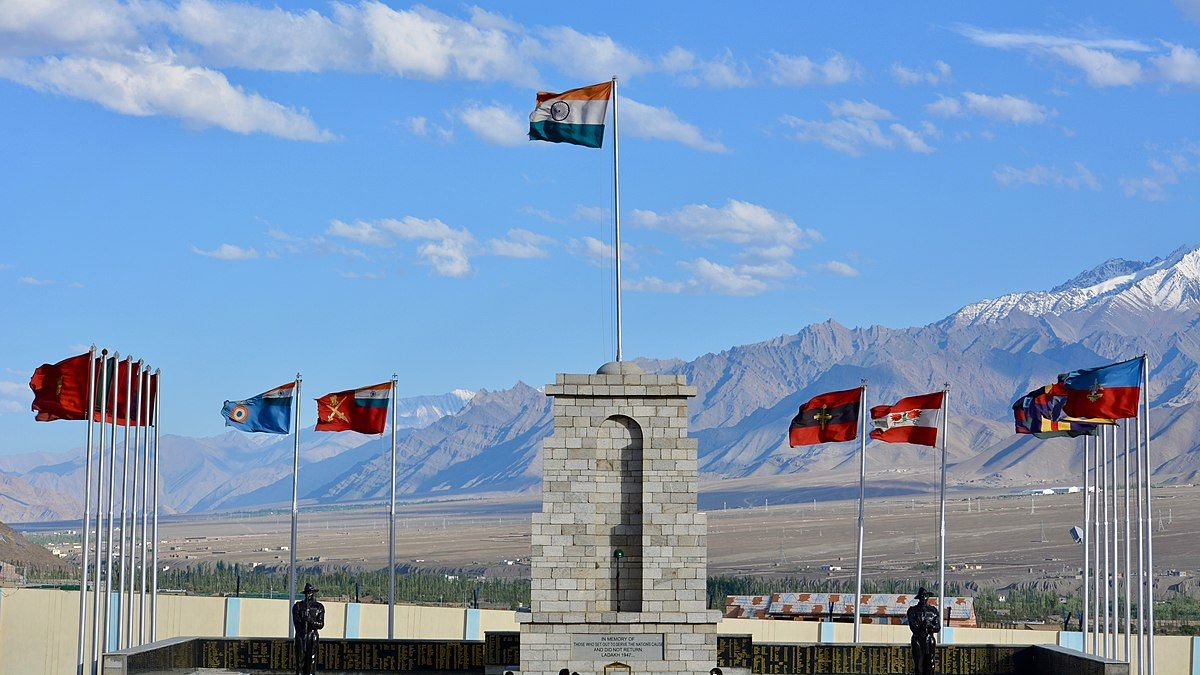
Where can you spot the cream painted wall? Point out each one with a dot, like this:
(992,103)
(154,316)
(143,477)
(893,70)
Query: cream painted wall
(38,628)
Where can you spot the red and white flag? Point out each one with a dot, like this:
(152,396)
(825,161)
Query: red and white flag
(914,419)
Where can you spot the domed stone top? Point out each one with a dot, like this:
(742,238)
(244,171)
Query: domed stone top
(620,368)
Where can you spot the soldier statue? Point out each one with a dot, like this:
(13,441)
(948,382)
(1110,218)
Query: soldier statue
(925,622)
(308,617)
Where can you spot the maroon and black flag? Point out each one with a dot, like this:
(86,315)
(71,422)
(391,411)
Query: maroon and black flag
(828,418)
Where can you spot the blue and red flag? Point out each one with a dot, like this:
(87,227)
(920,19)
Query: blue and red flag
(270,412)
(1108,391)
(363,410)
(1040,413)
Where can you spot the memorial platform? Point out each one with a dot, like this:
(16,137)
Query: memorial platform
(499,654)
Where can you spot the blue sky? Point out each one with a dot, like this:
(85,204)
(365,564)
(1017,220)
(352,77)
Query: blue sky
(237,191)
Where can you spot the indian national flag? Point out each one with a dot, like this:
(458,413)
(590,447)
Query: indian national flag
(575,116)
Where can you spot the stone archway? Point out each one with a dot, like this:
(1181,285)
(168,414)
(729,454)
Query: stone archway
(619,513)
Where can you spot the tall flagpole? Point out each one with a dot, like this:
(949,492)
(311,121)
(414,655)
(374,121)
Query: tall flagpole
(1104,538)
(1084,625)
(392,527)
(1116,547)
(295,509)
(1128,555)
(1096,452)
(122,551)
(87,509)
(105,390)
(1141,604)
(154,526)
(145,405)
(862,494)
(617,209)
(128,603)
(942,508)
(1149,518)
(111,501)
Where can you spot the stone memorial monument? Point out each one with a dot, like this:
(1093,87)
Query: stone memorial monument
(619,550)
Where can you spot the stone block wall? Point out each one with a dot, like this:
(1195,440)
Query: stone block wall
(619,472)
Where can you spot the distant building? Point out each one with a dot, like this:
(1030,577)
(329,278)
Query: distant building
(880,608)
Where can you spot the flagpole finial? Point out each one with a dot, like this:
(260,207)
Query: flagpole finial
(157,371)
(104,352)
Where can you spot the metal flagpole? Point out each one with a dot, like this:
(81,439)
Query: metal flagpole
(617,209)
(154,526)
(1096,452)
(392,527)
(105,637)
(295,509)
(104,398)
(862,494)
(1104,538)
(1141,604)
(122,616)
(1116,547)
(1128,556)
(1087,524)
(128,604)
(1149,518)
(87,509)
(942,507)
(145,405)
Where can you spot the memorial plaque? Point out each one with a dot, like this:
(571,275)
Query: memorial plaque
(601,647)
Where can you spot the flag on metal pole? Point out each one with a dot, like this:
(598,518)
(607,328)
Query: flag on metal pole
(269,412)
(392,525)
(363,410)
(1107,391)
(1145,406)
(577,117)
(155,387)
(831,418)
(913,419)
(66,391)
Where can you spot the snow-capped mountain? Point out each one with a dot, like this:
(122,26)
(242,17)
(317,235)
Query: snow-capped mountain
(1164,284)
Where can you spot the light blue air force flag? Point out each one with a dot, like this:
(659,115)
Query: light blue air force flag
(270,412)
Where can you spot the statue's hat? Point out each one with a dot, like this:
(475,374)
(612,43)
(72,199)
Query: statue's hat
(922,594)
(309,588)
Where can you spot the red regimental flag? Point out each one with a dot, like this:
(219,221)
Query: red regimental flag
(118,376)
(828,418)
(60,390)
(914,419)
(363,410)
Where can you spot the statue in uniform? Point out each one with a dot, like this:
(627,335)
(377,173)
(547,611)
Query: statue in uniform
(925,622)
(308,617)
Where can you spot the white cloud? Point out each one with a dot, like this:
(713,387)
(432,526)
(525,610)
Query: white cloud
(1019,40)
(722,72)
(360,231)
(721,279)
(1102,68)
(496,124)
(646,121)
(863,109)
(410,227)
(14,389)
(418,125)
(447,257)
(594,213)
(1191,8)
(799,71)
(1046,176)
(146,83)
(7,406)
(227,252)
(855,127)
(736,222)
(907,76)
(911,139)
(594,57)
(1006,108)
(34,281)
(1180,65)
(45,26)
(1165,171)
(654,285)
(519,243)
(839,268)
(945,106)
